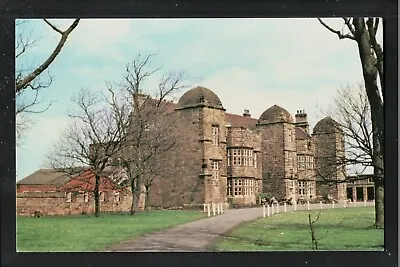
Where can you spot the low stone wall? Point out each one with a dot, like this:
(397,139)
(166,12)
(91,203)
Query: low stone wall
(55,203)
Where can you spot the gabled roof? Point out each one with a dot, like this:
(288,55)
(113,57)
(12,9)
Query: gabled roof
(240,121)
(301,134)
(46,177)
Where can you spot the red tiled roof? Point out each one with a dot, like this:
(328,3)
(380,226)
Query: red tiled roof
(86,181)
(240,121)
(301,134)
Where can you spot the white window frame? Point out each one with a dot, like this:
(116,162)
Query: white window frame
(215,169)
(229,187)
(69,197)
(215,135)
(117,197)
(86,197)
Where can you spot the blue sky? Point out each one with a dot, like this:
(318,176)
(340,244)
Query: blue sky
(249,63)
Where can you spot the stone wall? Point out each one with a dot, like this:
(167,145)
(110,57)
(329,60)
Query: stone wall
(215,190)
(306,171)
(245,138)
(279,161)
(55,203)
(182,181)
(329,148)
(249,141)
(35,188)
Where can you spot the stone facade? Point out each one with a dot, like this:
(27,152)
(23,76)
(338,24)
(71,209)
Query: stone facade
(329,152)
(49,192)
(227,158)
(305,150)
(59,203)
(244,179)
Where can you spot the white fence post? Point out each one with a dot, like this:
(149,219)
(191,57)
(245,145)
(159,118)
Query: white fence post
(222,208)
(295,205)
(208,210)
(213,208)
(308,205)
(218,208)
(268,210)
(320,205)
(284,207)
(272,209)
(263,211)
(333,204)
(277,207)
(204,206)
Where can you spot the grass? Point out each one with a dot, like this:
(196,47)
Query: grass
(337,229)
(87,233)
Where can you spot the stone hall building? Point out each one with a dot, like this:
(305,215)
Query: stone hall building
(230,158)
(219,157)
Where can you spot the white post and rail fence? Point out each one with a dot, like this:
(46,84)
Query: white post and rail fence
(213,209)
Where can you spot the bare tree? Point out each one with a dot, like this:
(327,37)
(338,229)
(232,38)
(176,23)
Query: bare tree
(314,240)
(363,31)
(148,125)
(30,77)
(313,231)
(90,141)
(352,113)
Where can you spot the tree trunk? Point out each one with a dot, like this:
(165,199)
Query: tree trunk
(134,201)
(96,196)
(370,73)
(379,203)
(146,199)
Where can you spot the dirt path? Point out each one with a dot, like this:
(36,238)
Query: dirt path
(195,236)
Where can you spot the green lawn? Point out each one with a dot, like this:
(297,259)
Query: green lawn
(339,229)
(87,233)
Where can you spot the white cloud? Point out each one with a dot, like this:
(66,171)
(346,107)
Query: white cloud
(248,63)
(239,89)
(101,37)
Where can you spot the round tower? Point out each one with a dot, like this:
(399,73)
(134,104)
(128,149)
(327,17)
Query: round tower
(329,155)
(202,110)
(279,160)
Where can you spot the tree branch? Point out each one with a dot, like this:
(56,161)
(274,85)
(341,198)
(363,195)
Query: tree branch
(338,33)
(22,84)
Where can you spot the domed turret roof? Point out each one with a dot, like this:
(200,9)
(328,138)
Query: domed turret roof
(275,114)
(199,96)
(326,125)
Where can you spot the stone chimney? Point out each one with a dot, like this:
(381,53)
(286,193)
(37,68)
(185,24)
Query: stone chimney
(246,113)
(301,120)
